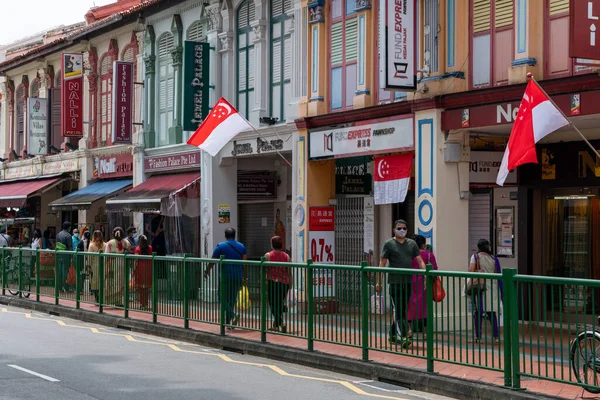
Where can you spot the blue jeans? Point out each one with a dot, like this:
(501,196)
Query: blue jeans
(232,290)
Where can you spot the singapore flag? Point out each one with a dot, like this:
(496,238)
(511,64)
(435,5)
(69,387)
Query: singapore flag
(221,125)
(392,177)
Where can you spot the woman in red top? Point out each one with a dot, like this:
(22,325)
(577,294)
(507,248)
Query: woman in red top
(143,271)
(279,281)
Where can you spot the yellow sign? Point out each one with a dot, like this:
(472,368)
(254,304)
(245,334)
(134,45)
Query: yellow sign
(586,162)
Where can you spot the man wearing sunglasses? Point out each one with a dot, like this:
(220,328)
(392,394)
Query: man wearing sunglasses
(400,252)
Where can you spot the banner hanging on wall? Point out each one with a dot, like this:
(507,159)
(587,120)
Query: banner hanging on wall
(72,95)
(37,126)
(398,37)
(321,238)
(196,86)
(122,102)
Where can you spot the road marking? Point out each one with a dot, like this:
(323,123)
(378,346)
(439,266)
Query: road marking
(46,377)
(349,385)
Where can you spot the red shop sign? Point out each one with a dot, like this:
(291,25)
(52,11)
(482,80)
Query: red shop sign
(321,219)
(585,29)
(122,102)
(119,166)
(72,95)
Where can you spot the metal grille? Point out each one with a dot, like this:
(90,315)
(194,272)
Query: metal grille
(256,226)
(479,219)
(349,247)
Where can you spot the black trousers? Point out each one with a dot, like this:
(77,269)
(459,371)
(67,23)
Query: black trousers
(400,294)
(276,294)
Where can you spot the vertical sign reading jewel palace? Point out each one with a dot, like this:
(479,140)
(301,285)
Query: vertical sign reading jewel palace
(122,102)
(398,34)
(195,89)
(71,115)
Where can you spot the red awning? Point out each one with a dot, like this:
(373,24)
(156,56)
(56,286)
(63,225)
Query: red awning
(148,196)
(14,194)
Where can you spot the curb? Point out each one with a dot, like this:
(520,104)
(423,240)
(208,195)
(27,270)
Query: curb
(405,377)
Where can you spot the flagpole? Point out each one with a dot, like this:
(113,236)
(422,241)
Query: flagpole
(530,76)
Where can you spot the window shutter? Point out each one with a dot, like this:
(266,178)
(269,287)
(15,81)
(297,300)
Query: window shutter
(559,7)
(128,55)
(196,32)
(277,61)
(251,68)
(246,13)
(287,58)
(481,15)
(55,133)
(242,79)
(35,88)
(170,93)
(106,65)
(165,46)
(277,8)
(337,43)
(162,88)
(351,40)
(504,13)
(58,79)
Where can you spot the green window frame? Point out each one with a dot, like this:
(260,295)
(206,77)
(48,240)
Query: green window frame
(281,59)
(166,86)
(343,56)
(245,57)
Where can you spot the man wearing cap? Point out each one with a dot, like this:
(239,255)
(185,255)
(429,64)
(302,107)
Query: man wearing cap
(400,251)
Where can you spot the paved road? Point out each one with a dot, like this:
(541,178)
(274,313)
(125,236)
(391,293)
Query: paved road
(46,357)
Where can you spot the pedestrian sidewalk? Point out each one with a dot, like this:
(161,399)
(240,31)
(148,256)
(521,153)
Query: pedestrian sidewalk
(479,375)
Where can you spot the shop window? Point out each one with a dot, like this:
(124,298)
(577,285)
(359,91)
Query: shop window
(556,26)
(343,54)
(35,88)
(431,28)
(281,59)
(492,48)
(105,96)
(20,108)
(245,57)
(165,94)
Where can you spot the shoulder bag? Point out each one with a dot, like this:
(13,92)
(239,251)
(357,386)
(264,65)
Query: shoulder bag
(476,285)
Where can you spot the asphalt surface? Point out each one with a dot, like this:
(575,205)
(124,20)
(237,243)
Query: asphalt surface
(46,357)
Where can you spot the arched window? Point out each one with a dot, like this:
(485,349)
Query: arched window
(57,79)
(245,57)
(281,58)
(20,108)
(35,88)
(105,98)
(344,53)
(165,96)
(196,32)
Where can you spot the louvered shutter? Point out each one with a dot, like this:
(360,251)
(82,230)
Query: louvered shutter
(351,40)
(559,7)
(287,58)
(196,32)
(128,55)
(246,14)
(35,88)
(251,68)
(276,8)
(242,78)
(503,13)
(277,61)
(337,43)
(54,123)
(481,15)
(58,79)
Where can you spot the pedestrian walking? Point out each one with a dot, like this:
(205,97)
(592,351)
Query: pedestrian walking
(64,242)
(486,298)
(417,305)
(400,251)
(96,245)
(114,285)
(37,240)
(142,273)
(132,238)
(279,282)
(235,274)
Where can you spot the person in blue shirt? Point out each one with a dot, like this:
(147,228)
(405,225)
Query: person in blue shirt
(235,274)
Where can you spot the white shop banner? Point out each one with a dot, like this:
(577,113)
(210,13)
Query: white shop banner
(37,127)
(398,38)
(363,138)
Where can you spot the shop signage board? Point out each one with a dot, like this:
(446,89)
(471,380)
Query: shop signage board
(361,138)
(59,167)
(72,95)
(264,145)
(196,68)
(122,102)
(23,172)
(398,34)
(584,38)
(119,166)
(351,176)
(257,187)
(37,127)
(484,168)
(171,162)
(321,238)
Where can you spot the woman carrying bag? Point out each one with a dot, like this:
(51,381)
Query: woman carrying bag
(484,293)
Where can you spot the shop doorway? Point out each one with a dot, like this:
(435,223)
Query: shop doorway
(405,211)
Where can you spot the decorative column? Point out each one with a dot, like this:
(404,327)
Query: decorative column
(10,92)
(367,54)
(212,37)
(92,79)
(176,131)
(317,57)
(261,80)
(150,87)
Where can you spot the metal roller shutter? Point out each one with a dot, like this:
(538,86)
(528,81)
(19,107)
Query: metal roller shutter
(252,233)
(480,213)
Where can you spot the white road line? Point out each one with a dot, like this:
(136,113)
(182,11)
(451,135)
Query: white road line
(48,378)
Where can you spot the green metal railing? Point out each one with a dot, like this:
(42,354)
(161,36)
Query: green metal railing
(521,326)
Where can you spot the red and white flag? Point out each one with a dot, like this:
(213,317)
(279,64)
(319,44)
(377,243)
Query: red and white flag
(221,125)
(392,177)
(537,118)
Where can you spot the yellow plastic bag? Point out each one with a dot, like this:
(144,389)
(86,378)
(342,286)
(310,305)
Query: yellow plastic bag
(243,299)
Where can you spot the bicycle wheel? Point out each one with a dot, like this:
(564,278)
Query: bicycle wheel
(13,280)
(585,360)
